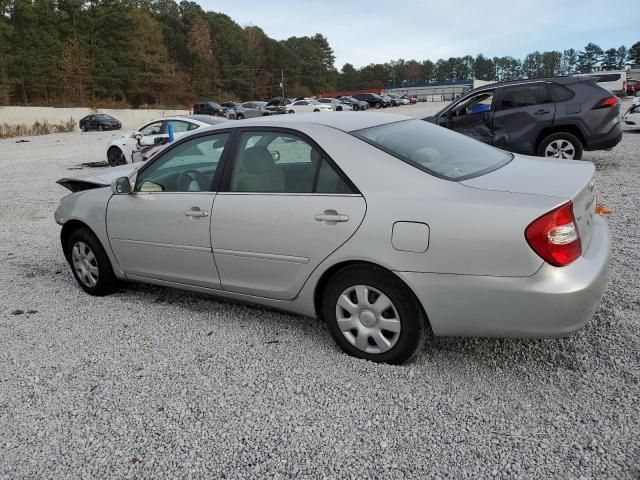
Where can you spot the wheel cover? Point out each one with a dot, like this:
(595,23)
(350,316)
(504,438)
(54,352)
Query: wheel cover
(560,149)
(85,264)
(368,319)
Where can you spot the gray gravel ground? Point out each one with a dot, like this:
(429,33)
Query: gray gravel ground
(158,383)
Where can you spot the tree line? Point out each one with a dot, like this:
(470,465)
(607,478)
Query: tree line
(160,52)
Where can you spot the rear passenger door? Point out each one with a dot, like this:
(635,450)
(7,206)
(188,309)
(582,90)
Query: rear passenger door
(285,208)
(522,113)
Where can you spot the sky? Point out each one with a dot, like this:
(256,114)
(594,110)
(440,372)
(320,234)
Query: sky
(362,32)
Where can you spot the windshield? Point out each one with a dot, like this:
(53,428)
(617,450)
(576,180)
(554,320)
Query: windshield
(436,150)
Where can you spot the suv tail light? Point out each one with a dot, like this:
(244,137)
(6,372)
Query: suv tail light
(554,236)
(608,102)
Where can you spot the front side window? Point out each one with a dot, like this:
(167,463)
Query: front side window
(478,103)
(436,150)
(154,128)
(276,162)
(188,167)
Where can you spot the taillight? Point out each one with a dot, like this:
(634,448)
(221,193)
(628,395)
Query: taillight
(554,236)
(608,102)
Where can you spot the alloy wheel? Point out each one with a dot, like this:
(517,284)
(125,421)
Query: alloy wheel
(368,319)
(85,264)
(560,149)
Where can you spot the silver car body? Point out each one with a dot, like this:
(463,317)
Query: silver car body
(458,245)
(248,110)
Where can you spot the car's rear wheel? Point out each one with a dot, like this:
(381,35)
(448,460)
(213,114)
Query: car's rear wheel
(316,110)
(99,128)
(561,145)
(115,157)
(371,314)
(89,263)
(84,128)
(240,116)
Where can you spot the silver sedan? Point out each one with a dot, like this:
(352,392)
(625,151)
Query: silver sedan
(386,226)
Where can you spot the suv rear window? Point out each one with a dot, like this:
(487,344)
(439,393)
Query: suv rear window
(560,93)
(435,150)
(524,95)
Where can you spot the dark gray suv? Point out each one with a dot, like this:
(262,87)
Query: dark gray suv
(555,117)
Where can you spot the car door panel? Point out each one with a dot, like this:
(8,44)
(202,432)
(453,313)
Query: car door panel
(152,236)
(472,117)
(163,229)
(524,112)
(268,244)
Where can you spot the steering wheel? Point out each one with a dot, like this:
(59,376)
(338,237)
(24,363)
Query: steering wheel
(186,178)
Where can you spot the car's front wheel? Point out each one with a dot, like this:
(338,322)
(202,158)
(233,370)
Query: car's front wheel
(115,157)
(371,314)
(89,263)
(561,145)
(240,116)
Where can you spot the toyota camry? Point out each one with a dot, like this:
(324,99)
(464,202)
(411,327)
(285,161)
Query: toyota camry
(386,226)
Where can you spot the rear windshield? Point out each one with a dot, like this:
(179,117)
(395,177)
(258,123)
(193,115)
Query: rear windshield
(436,150)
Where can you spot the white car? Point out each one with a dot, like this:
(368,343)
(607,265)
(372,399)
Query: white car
(120,150)
(308,105)
(632,117)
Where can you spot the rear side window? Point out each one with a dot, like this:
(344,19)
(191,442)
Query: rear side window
(607,77)
(559,93)
(435,150)
(524,96)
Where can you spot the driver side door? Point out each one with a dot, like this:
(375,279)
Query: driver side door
(473,116)
(161,231)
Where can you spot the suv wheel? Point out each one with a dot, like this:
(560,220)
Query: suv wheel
(561,145)
(371,314)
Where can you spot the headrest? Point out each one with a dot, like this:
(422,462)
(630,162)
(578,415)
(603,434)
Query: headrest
(257,160)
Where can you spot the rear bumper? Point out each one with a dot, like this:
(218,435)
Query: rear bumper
(553,302)
(608,141)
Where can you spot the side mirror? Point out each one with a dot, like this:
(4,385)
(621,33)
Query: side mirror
(137,136)
(121,186)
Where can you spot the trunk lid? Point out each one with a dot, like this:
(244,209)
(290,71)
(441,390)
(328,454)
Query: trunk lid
(564,179)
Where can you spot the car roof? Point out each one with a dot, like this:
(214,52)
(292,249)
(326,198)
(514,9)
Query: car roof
(344,121)
(565,80)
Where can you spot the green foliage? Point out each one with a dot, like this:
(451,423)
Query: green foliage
(141,52)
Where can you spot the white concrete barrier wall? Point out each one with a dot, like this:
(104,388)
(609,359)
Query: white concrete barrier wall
(129,118)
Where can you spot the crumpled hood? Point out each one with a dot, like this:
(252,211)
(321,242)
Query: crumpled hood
(99,178)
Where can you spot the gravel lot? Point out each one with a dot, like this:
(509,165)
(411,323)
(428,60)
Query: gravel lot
(156,383)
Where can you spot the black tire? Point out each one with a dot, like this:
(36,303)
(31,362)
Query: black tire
(115,157)
(291,111)
(240,116)
(356,108)
(563,137)
(413,321)
(84,128)
(106,281)
(316,110)
(338,108)
(378,105)
(99,128)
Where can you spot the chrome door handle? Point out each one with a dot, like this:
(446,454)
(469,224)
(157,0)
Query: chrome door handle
(196,212)
(326,217)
